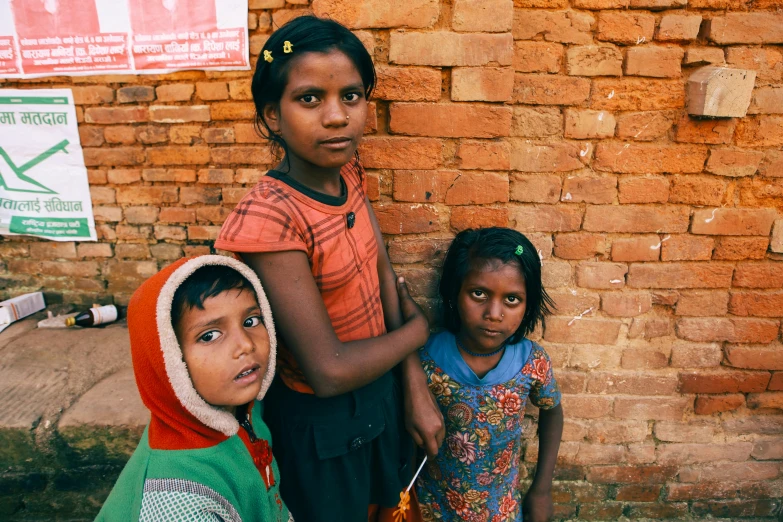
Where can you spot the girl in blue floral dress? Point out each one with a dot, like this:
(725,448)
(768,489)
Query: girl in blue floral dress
(482,370)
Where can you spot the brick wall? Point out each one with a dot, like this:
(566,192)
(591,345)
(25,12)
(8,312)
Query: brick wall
(660,234)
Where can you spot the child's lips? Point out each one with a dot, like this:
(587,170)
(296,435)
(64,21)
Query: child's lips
(248,375)
(491,333)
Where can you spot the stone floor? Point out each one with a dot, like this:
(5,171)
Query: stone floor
(70,416)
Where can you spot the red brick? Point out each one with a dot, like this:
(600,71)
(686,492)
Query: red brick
(211,91)
(733,222)
(710,131)
(546,218)
(731,329)
(767,62)
(647,189)
(178,155)
(636,94)
(91,136)
(447,49)
(776,383)
(134,233)
(116,114)
(177,215)
(92,95)
(731,381)
(115,156)
(247,155)
(249,176)
(179,114)
(123,176)
(555,26)
(643,359)
(627,28)
(640,248)
(536,188)
(482,84)
(95,250)
(170,232)
(493,16)
(100,195)
(203,233)
(484,155)
(703,303)
(735,508)
(423,185)
(567,303)
(185,134)
(478,188)
(247,133)
(618,432)
(680,275)
(96,177)
(530,57)
(232,196)
(141,215)
(693,355)
(652,408)
(417,250)
(240,89)
(131,251)
(554,157)
(407,84)
(588,406)
(52,250)
(219,135)
(579,245)
(166,251)
(202,195)
(147,195)
(232,111)
(400,218)
(176,175)
(547,89)
(765,400)
(734,163)
(465,217)
(631,383)
(450,120)
(601,275)
(594,60)
(759,275)
(676,27)
(120,134)
(584,124)
(630,474)
(603,511)
(755,357)
(536,122)
(636,218)
(281,17)
(589,189)
(223,176)
(738,471)
(377,13)
(766,100)
(633,158)
(638,493)
(690,453)
(738,248)
(658,62)
(704,56)
(644,126)
(684,247)
(755,28)
(401,153)
(174,92)
(697,190)
(760,131)
(151,134)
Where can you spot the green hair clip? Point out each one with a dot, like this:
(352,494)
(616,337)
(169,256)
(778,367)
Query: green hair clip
(519,250)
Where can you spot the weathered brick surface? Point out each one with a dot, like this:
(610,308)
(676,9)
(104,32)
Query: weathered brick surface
(564,120)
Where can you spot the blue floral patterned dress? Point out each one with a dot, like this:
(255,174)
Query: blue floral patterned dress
(476,474)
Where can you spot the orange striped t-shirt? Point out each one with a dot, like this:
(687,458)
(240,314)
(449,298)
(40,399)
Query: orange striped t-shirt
(279,214)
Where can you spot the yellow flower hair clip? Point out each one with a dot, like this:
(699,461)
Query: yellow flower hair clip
(287,47)
(268,56)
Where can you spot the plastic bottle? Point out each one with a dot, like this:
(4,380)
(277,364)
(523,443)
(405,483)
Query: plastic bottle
(94,316)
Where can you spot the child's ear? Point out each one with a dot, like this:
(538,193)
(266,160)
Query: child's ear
(271,115)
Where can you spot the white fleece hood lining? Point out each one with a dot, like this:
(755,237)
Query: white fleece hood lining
(177,370)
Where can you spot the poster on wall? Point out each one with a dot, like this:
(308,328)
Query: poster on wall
(80,37)
(43,181)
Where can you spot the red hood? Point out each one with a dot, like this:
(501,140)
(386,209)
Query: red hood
(181,419)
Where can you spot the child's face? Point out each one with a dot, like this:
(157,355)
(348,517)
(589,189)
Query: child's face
(491,304)
(322,111)
(226,348)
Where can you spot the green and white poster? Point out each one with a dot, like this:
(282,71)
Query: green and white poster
(43,181)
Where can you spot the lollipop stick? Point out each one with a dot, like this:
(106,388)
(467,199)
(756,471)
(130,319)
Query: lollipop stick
(417,473)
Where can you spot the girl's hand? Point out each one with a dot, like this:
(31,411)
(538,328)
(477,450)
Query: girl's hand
(411,312)
(538,506)
(423,418)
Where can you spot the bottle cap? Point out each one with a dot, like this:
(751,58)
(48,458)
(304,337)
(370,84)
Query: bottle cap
(70,321)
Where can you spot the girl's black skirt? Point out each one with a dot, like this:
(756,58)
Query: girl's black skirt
(339,455)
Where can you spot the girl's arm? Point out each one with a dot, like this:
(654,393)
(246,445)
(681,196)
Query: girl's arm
(537,505)
(423,418)
(330,366)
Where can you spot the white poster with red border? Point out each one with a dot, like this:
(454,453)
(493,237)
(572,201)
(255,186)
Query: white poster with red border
(84,37)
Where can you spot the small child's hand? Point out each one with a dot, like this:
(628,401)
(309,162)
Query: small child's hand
(538,506)
(411,312)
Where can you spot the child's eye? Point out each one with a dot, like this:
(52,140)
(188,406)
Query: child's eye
(513,299)
(477,293)
(252,322)
(309,98)
(210,336)
(352,97)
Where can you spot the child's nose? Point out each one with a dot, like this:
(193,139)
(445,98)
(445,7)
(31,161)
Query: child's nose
(494,311)
(245,344)
(335,114)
